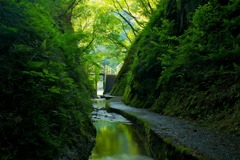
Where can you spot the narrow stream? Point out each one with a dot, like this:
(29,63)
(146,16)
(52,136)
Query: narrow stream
(116,139)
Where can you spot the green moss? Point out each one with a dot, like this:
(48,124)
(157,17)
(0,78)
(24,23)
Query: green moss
(184,67)
(44,89)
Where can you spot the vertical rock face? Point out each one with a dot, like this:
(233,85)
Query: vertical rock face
(142,68)
(44,98)
(186,63)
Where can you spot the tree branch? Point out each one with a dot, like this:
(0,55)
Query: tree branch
(129,13)
(145,7)
(89,44)
(130,25)
(117,42)
(135,18)
(149,4)
(125,31)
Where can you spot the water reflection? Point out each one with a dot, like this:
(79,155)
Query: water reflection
(99,103)
(118,141)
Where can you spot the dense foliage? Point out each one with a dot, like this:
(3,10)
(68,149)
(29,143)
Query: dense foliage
(44,89)
(186,63)
(110,27)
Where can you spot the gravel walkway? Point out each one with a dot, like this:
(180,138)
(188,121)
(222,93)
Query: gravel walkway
(214,145)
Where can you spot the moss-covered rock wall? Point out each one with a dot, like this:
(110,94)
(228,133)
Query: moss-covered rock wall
(45,94)
(186,63)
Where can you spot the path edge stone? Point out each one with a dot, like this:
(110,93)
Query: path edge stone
(166,147)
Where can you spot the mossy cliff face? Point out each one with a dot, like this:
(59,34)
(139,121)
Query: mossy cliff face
(45,101)
(186,63)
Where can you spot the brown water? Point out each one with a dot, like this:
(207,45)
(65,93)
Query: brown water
(117,139)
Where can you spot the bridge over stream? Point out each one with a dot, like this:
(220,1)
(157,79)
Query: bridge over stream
(106,80)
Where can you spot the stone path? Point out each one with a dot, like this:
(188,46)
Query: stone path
(214,145)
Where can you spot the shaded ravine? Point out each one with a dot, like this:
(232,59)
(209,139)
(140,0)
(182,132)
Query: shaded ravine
(116,139)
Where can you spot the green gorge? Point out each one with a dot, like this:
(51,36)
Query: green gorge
(186,63)
(179,58)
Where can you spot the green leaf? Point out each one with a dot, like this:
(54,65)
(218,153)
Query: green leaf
(44,45)
(68,80)
(236,67)
(45,71)
(33,73)
(53,76)
(36,64)
(55,89)
(22,48)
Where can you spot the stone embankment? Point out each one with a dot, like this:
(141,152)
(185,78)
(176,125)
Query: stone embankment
(174,138)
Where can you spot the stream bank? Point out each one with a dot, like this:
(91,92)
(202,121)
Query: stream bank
(173,138)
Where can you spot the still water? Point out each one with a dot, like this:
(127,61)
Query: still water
(116,139)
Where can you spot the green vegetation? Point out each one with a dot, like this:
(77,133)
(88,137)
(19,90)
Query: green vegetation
(186,63)
(48,48)
(109,28)
(44,89)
